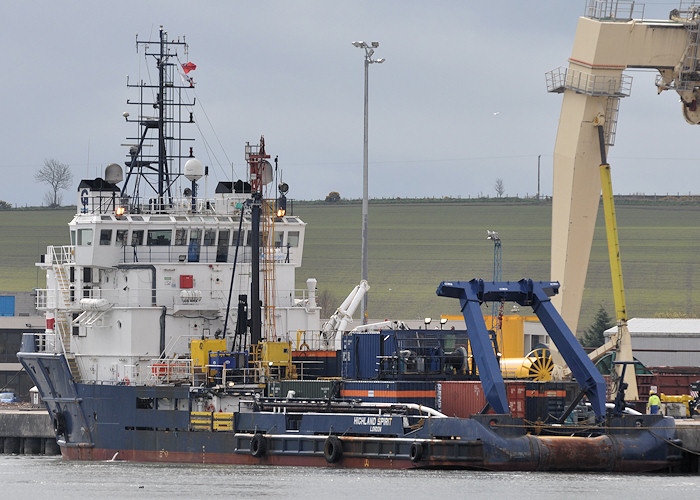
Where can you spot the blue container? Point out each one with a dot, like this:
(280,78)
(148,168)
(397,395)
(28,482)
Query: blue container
(403,354)
(7,305)
(361,355)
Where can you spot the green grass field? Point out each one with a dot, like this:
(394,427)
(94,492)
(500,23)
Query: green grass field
(25,236)
(414,246)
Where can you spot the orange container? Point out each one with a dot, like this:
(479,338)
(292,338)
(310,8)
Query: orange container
(465,398)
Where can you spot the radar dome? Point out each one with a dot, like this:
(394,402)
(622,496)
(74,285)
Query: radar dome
(114,173)
(194,169)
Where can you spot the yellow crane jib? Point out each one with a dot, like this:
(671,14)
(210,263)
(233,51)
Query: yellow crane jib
(622,340)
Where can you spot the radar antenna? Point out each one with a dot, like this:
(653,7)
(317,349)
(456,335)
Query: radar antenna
(159,168)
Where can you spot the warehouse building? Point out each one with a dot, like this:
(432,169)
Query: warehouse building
(664,341)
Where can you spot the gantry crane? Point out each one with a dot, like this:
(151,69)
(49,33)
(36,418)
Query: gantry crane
(525,292)
(608,41)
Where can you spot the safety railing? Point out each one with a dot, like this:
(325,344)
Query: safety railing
(170,370)
(561,78)
(59,255)
(614,10)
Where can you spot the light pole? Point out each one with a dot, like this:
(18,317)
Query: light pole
(369,51)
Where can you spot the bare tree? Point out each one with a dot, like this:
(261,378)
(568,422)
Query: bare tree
(327,302)
(499,187)
(58,176)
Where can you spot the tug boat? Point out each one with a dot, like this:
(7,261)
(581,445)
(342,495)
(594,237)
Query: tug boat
(172,320)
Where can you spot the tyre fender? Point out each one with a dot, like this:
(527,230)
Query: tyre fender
(416,452)
(332,449)
(258,445)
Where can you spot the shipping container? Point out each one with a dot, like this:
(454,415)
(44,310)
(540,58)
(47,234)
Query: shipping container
(516,393)
(7,305)
(316,364)
(547,401)
(362,355)
(465,398)
(405,355)
(460,398)
(533,401)
(390,391)
(311,389)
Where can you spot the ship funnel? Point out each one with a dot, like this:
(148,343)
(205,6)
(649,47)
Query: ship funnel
(114,173)
(311,287)
(194,169)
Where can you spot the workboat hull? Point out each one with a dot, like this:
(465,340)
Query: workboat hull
(160,424)
(599,455)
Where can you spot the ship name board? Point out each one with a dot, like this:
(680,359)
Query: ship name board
(375,423)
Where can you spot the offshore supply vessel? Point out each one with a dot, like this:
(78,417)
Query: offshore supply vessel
(173,319)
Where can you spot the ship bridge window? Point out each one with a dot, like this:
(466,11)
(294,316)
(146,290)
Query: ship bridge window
(194,248)
(136,218)
(279,235)
(159,237)
(293,238)
(72,238)
(222,246)
(137,238)
(84,237)
(293,220)
(209,237)
(181,218)
(249,238)
(195,235)
(122,235)
(106,237)
(234,239)
(180,237)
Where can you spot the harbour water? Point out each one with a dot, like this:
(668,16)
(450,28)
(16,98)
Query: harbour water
(21,476)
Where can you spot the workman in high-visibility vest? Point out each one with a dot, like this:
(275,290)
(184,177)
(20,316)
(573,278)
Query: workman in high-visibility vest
(653,404)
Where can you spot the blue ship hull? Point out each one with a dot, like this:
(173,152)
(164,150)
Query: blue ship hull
(125,422)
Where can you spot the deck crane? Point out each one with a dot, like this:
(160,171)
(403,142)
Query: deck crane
(621,341)
(338,322)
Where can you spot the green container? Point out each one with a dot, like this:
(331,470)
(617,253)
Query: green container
(311,389)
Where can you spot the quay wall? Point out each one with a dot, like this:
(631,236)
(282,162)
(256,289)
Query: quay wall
(27,432)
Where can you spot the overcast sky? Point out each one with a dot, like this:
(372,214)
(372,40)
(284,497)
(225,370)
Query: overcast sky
(460,101)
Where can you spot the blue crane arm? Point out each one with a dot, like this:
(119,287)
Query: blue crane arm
(526,293)
(482,348)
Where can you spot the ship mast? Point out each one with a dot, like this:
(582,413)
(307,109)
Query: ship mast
(260,168)
(161,169)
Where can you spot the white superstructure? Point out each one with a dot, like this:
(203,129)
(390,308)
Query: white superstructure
(130,282)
